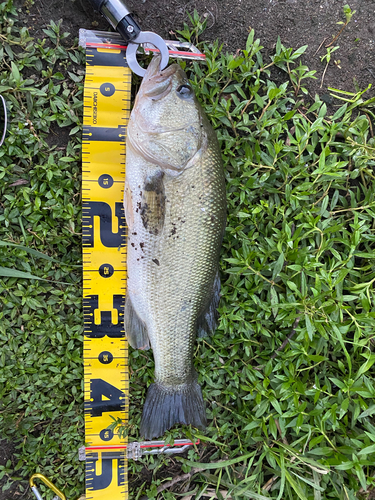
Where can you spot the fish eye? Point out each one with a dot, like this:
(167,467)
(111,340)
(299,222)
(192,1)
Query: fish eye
(184,91)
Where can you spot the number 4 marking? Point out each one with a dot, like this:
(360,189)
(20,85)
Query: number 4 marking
(114,398)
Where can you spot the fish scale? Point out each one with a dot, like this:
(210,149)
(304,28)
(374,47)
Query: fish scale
(187,257)
(175,208)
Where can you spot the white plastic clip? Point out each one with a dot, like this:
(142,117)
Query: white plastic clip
(135,450)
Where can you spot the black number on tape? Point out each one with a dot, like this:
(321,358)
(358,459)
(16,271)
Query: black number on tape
(105,357)
(106,434)
(106,327)
(102,481)
(107,89)
(91,209)
(105,181)
(114,398)
(106,270)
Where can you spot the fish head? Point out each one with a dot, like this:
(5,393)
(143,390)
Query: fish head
(167,124)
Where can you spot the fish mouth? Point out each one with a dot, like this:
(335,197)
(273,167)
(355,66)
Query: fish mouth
(156,83)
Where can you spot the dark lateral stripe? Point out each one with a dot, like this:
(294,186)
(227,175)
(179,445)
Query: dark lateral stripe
(104,134)
(95,58)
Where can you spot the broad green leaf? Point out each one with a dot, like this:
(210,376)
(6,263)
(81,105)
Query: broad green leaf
(15,72)
(278,266)
(274,301)
(309,327)
(339,112)
(370,411)
(365,367)
(367,450)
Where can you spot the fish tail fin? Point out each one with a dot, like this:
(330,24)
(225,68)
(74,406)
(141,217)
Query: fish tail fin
(165,407)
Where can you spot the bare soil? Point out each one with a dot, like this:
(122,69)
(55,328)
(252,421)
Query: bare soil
(17,489)
(297,22)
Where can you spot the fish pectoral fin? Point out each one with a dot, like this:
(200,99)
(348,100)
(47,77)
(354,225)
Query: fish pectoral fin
(207,321)
(135,329)
(128,206)
(153,203)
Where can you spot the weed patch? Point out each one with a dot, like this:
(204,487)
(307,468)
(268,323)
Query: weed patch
(288,376)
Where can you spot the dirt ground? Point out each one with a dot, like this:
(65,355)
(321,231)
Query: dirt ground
(15,490)
(297,22)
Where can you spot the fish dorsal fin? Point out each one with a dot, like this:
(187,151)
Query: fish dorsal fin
(207,321)
(153,203)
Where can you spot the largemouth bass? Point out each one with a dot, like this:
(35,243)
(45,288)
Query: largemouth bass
(175,208)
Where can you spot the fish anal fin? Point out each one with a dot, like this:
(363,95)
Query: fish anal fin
(135,329)
(207,321)
(153,203)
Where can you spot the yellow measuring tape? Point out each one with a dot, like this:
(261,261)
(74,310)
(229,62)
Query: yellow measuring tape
(106,113)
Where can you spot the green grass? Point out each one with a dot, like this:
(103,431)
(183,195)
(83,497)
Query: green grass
(298,263)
